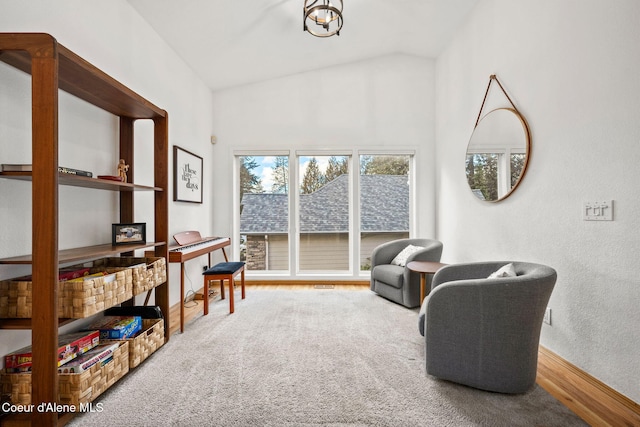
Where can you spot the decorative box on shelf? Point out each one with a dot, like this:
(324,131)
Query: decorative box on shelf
(73,389)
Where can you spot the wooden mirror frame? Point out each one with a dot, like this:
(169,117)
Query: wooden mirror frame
(505,184)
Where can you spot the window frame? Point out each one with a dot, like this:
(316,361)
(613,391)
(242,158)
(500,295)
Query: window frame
(354,235)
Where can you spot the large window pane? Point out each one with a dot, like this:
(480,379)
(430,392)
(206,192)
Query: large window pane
(264,212)
(384,202)
(324,213)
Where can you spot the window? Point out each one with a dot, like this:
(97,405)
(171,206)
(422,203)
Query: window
(323,213)
(264,212)
(312,216)
(384,202)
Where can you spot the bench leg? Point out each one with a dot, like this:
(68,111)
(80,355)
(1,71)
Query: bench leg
(242,282)
(231,302)
(205,298)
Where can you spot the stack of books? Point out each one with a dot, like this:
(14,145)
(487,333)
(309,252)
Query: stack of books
(29,168)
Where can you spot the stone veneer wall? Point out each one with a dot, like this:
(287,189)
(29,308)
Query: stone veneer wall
(256,253)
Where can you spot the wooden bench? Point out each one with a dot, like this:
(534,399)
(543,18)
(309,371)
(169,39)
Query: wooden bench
(223,271)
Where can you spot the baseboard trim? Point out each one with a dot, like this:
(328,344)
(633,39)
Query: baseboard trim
(591,399)
(272,282)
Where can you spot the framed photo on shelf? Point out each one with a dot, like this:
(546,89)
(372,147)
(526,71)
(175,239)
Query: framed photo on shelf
(125,234)
(187,176)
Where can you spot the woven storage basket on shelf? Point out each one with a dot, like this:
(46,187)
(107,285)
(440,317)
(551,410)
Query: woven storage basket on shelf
(128,276)
(146,342)
(148,272)
(73,389)
(76,300)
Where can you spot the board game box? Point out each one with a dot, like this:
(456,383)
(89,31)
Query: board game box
(69,347)
(102,353)
(117,327)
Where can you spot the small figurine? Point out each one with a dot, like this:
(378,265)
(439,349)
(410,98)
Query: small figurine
(122,170)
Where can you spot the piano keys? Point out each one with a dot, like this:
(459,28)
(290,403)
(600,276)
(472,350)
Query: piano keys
(182,253)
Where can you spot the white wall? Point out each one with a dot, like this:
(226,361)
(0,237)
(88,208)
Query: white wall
(383,103)
(113,37)
(571,67)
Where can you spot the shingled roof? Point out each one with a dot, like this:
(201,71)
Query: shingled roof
(385,207)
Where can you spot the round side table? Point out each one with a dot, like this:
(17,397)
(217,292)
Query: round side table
(424,268)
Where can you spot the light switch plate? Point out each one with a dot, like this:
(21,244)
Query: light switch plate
(598,211)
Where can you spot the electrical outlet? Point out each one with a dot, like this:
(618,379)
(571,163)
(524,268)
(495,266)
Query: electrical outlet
(547,316)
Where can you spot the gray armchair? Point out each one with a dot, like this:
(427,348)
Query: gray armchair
(395,282)
(483,332)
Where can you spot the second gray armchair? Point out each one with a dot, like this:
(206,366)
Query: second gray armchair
(484,332)
(394,281)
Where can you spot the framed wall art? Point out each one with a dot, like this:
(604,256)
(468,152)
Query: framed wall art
(124,234)
(187,176)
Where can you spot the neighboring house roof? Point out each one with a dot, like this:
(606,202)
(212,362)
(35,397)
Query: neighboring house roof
(264,213)
(385,207)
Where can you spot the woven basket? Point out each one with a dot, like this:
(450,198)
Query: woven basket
(146,342)
(147,272)
(76,300)
(73,389)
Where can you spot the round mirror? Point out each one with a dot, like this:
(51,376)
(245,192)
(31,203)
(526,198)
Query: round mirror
(497,154)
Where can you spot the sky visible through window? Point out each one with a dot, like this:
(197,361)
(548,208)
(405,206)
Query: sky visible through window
(265,167)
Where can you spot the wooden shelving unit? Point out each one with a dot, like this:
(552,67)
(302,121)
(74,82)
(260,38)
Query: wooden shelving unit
(53,67)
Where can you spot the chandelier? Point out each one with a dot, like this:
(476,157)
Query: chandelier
(323,18)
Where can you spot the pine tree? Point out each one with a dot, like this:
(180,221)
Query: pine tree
(313,178)
(337,166)
(249,182)
(281,175)
(384,165)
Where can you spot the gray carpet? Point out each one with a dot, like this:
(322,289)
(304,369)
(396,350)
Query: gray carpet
(307,358)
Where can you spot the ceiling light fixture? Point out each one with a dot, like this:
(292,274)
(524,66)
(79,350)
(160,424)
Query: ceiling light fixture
(323,13)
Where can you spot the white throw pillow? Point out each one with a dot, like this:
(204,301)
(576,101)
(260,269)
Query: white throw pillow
(505,271)
(401,258)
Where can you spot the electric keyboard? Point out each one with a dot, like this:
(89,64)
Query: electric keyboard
(194,249)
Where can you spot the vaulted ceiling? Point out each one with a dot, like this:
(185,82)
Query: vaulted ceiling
(235,42)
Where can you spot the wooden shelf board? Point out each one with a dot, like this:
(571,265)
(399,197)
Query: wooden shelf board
(26,323)
(84,181)
(84,253)
(78,77)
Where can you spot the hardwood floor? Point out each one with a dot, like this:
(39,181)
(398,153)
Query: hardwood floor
(590,399)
